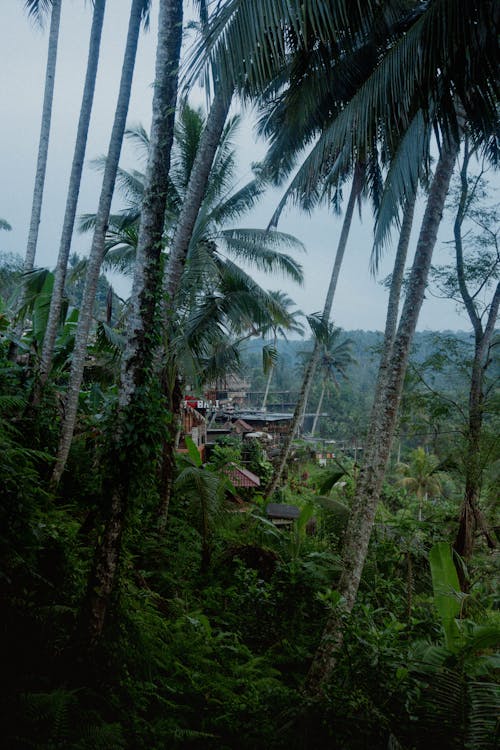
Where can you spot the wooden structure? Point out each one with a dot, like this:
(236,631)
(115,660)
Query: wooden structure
(282,514)
(241,477)
(194,425)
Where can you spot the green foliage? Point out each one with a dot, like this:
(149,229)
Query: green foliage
(225,451)
(446,590)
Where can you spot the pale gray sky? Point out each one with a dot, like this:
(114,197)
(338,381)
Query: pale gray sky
(360,300)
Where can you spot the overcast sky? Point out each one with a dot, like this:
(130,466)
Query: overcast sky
(360,301)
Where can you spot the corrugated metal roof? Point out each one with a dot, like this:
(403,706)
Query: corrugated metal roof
(282,510)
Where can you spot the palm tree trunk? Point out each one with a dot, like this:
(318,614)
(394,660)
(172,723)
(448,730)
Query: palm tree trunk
(357,184)
(41,166)
(318,410)
(268,384)
(379,440)
(136,369)
(167,468)
(98,240)
(391,320)
(195,193)
(72,198)
(136,362)
(269,378)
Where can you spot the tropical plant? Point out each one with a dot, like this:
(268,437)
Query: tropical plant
(138,12)
(279,326)
(475,275)
(335,356)
(37,9)
(421,476)
(205,488)
(72,196)
(137,366)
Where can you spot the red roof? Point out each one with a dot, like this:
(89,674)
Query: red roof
(241,477)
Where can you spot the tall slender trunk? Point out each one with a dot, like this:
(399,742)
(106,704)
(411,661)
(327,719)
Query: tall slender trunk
(195,193)
(197,185)
(471,517)
(41,165)
(136,362)
(268,384)
(98,240)
(382,428)
(269,378)
(357,185)
(72,197)
(138,357)
(391,320)
(318,410)
(167,468)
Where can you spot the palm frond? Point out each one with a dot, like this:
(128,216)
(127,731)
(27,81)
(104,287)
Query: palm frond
(401,183)
(256,247)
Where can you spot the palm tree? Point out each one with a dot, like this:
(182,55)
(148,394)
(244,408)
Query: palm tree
(208,278)
(147,282)
(72,196)
(279,327)
(335,356)
(138,12)
(356,189)
(195,192)
(387,101)
(421,477)
(37,9)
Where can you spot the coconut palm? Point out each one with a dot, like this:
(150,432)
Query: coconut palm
(335,356)
(134,374)
(138,12)
(413,75)
(356,190)
(72,196)
(279,327)
(39,9)
(421,477)
(216,298)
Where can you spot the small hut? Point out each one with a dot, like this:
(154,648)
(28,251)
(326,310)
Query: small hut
(281,514)
(241,477)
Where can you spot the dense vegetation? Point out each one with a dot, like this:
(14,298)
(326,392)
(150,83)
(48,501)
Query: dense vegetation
(146,601)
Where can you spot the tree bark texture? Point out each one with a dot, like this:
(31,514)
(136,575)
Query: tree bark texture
(167,468)
(198,181)
(147,282)
(357,185)
(41,165)
(102,578)
(147,277)
(269,378)
(391,320)
(318,410)
(98,241)
(73,193)
(195,193)
(381,431)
